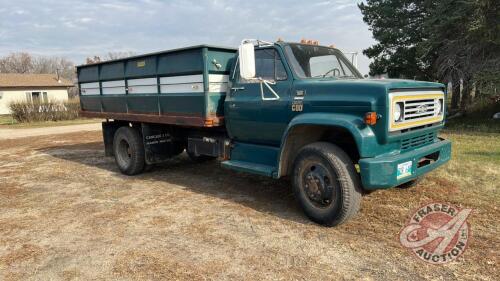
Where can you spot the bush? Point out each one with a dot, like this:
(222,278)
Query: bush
(24,112)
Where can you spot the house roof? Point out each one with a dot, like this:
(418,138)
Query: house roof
(12,80)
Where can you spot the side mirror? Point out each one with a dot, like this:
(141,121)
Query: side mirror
(247,60)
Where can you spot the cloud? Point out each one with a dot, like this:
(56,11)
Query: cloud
(19,12)
(78,29)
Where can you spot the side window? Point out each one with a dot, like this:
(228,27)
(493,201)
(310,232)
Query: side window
(268,65)
(264,63)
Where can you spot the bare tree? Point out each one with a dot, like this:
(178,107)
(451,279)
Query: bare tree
(109,56)
(91,60)
(65,67)
(16,63)
(26,63)
(118,55)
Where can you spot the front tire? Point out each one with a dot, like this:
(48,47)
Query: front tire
(326,184)
(129,152)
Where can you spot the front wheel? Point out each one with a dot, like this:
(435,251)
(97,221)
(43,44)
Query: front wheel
(326,184)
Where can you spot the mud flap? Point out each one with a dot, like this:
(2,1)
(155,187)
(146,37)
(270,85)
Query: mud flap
(159,144)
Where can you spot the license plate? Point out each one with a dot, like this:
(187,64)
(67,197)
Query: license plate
(404,169)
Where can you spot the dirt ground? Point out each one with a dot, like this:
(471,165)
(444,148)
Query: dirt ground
(66,213)
(7,133)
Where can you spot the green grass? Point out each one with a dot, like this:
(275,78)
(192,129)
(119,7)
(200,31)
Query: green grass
(6,121)
(475,161)
(474,146)
(478,119)
(476,124)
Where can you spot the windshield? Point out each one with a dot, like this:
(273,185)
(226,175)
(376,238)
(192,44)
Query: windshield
(312,61)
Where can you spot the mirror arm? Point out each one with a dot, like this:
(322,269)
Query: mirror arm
(267,83)
(257,42)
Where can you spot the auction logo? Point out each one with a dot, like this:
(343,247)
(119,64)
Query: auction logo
(437,233)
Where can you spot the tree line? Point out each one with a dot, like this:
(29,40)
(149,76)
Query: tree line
(31,64)
(451,41)
(27,63)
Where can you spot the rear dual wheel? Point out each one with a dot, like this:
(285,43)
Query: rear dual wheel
(326,184)
(129,152)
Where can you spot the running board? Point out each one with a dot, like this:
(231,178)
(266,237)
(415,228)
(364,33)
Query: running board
(249,167)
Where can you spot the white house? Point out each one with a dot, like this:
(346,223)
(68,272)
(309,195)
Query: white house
(31,88)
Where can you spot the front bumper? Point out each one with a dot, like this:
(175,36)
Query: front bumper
(382,172)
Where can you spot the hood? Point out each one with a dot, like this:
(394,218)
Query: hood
(365,93)
(402,83)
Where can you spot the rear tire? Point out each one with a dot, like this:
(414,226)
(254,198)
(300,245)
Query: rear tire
(326,184)
(129,153)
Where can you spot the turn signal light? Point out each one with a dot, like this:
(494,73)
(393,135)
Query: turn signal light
(371,118)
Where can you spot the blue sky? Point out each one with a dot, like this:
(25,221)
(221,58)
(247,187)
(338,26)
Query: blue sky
(77,29)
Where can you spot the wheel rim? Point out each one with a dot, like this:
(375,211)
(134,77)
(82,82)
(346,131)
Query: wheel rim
(124,152)
(318,185)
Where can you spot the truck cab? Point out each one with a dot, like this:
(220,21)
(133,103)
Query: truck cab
(294,110)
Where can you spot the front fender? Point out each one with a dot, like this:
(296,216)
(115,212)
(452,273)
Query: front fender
(362,134)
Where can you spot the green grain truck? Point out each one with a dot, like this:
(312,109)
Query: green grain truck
(275,109)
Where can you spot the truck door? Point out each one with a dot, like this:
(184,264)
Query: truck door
(253,113)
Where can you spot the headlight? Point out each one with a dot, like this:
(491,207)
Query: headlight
(398,112)
(439,107)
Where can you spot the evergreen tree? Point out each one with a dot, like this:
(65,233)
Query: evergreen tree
(454,41)
(398,27)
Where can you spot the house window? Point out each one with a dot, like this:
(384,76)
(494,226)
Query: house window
(36,97)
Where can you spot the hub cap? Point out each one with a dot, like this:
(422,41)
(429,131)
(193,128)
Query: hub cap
(124,151)
(318,185)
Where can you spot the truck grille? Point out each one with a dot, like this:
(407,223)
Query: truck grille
(419,109)
(418,141)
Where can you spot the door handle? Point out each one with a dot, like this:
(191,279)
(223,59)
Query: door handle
(237,88)
(232,105)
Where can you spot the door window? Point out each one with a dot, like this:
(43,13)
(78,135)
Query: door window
(268,66)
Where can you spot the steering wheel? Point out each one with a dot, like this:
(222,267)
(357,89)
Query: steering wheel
(332,70)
